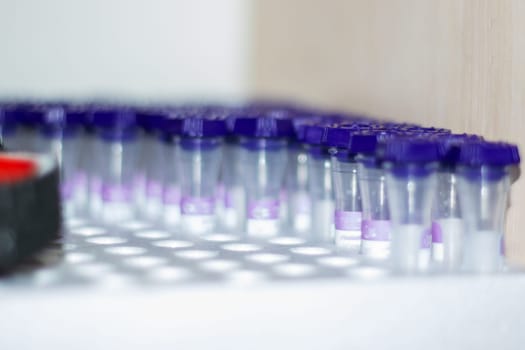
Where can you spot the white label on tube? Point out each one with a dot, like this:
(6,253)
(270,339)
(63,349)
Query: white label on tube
(406,246)
(197,224)
(483,252)
(262,228)
(171,215)
(447,241)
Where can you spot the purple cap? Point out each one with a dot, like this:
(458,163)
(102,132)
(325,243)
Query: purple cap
(151,119)
(450,144)
(8,115)
(270,124)
(339,136)
(402,149)
(367,141)
(62,116)
(61,120)
(315,134)
(28,114)
(202,126)
(172,125)
(488,153)
(115,123)
(8,119)
(301,122)
(230,114)
(114,118)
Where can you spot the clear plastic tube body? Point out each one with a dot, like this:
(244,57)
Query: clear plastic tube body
(264,163)
(200,160)
(92,161)
(64,147)
(233,197)
(171,193)
(322,197)
(411,194)
(447,223)
(299,206)
(84,166)
(116,168)
(144,152)
(483,195)
(348,210)
(376,226)
(154,171)
(26,139)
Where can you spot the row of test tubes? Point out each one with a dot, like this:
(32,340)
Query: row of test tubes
(422,197)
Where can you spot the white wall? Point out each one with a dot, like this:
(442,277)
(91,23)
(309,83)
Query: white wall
(149,49)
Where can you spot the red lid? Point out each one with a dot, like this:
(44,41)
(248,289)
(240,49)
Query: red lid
(16,169)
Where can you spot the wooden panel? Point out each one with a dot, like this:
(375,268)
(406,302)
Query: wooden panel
(451,63)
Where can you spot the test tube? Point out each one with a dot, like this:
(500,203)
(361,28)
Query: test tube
(410,164)
(171,193)
(263,140)
(201,143)
(116,152)
(347,216)
(447,220)
(89,164)
(60,134)
(320,186)
(296,180)
(485,173)
(376,227)
(84,159)
(299,202)
(150,164)
(232,189)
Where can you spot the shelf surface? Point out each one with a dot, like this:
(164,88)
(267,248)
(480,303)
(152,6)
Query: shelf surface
(136,285)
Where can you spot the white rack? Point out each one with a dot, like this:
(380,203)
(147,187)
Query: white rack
(139,287)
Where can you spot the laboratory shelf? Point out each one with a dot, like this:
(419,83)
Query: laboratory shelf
(137,286)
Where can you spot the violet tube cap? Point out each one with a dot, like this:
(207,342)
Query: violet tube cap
(411,150)
(8,119)
(151,119)
(267,125)
(114,118)
(488,153)
(203,127)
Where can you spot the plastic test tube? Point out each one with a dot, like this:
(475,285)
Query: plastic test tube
(150,165)
(410,165)
(485,174)
(263,154)
(299,203)
(296,180)
(233,210)
(376,227)
(320,184)
(171,193)
(84,159)
(201,143)
(447,220)
(90,202)
(60,134)
(116,152)
(347,216)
